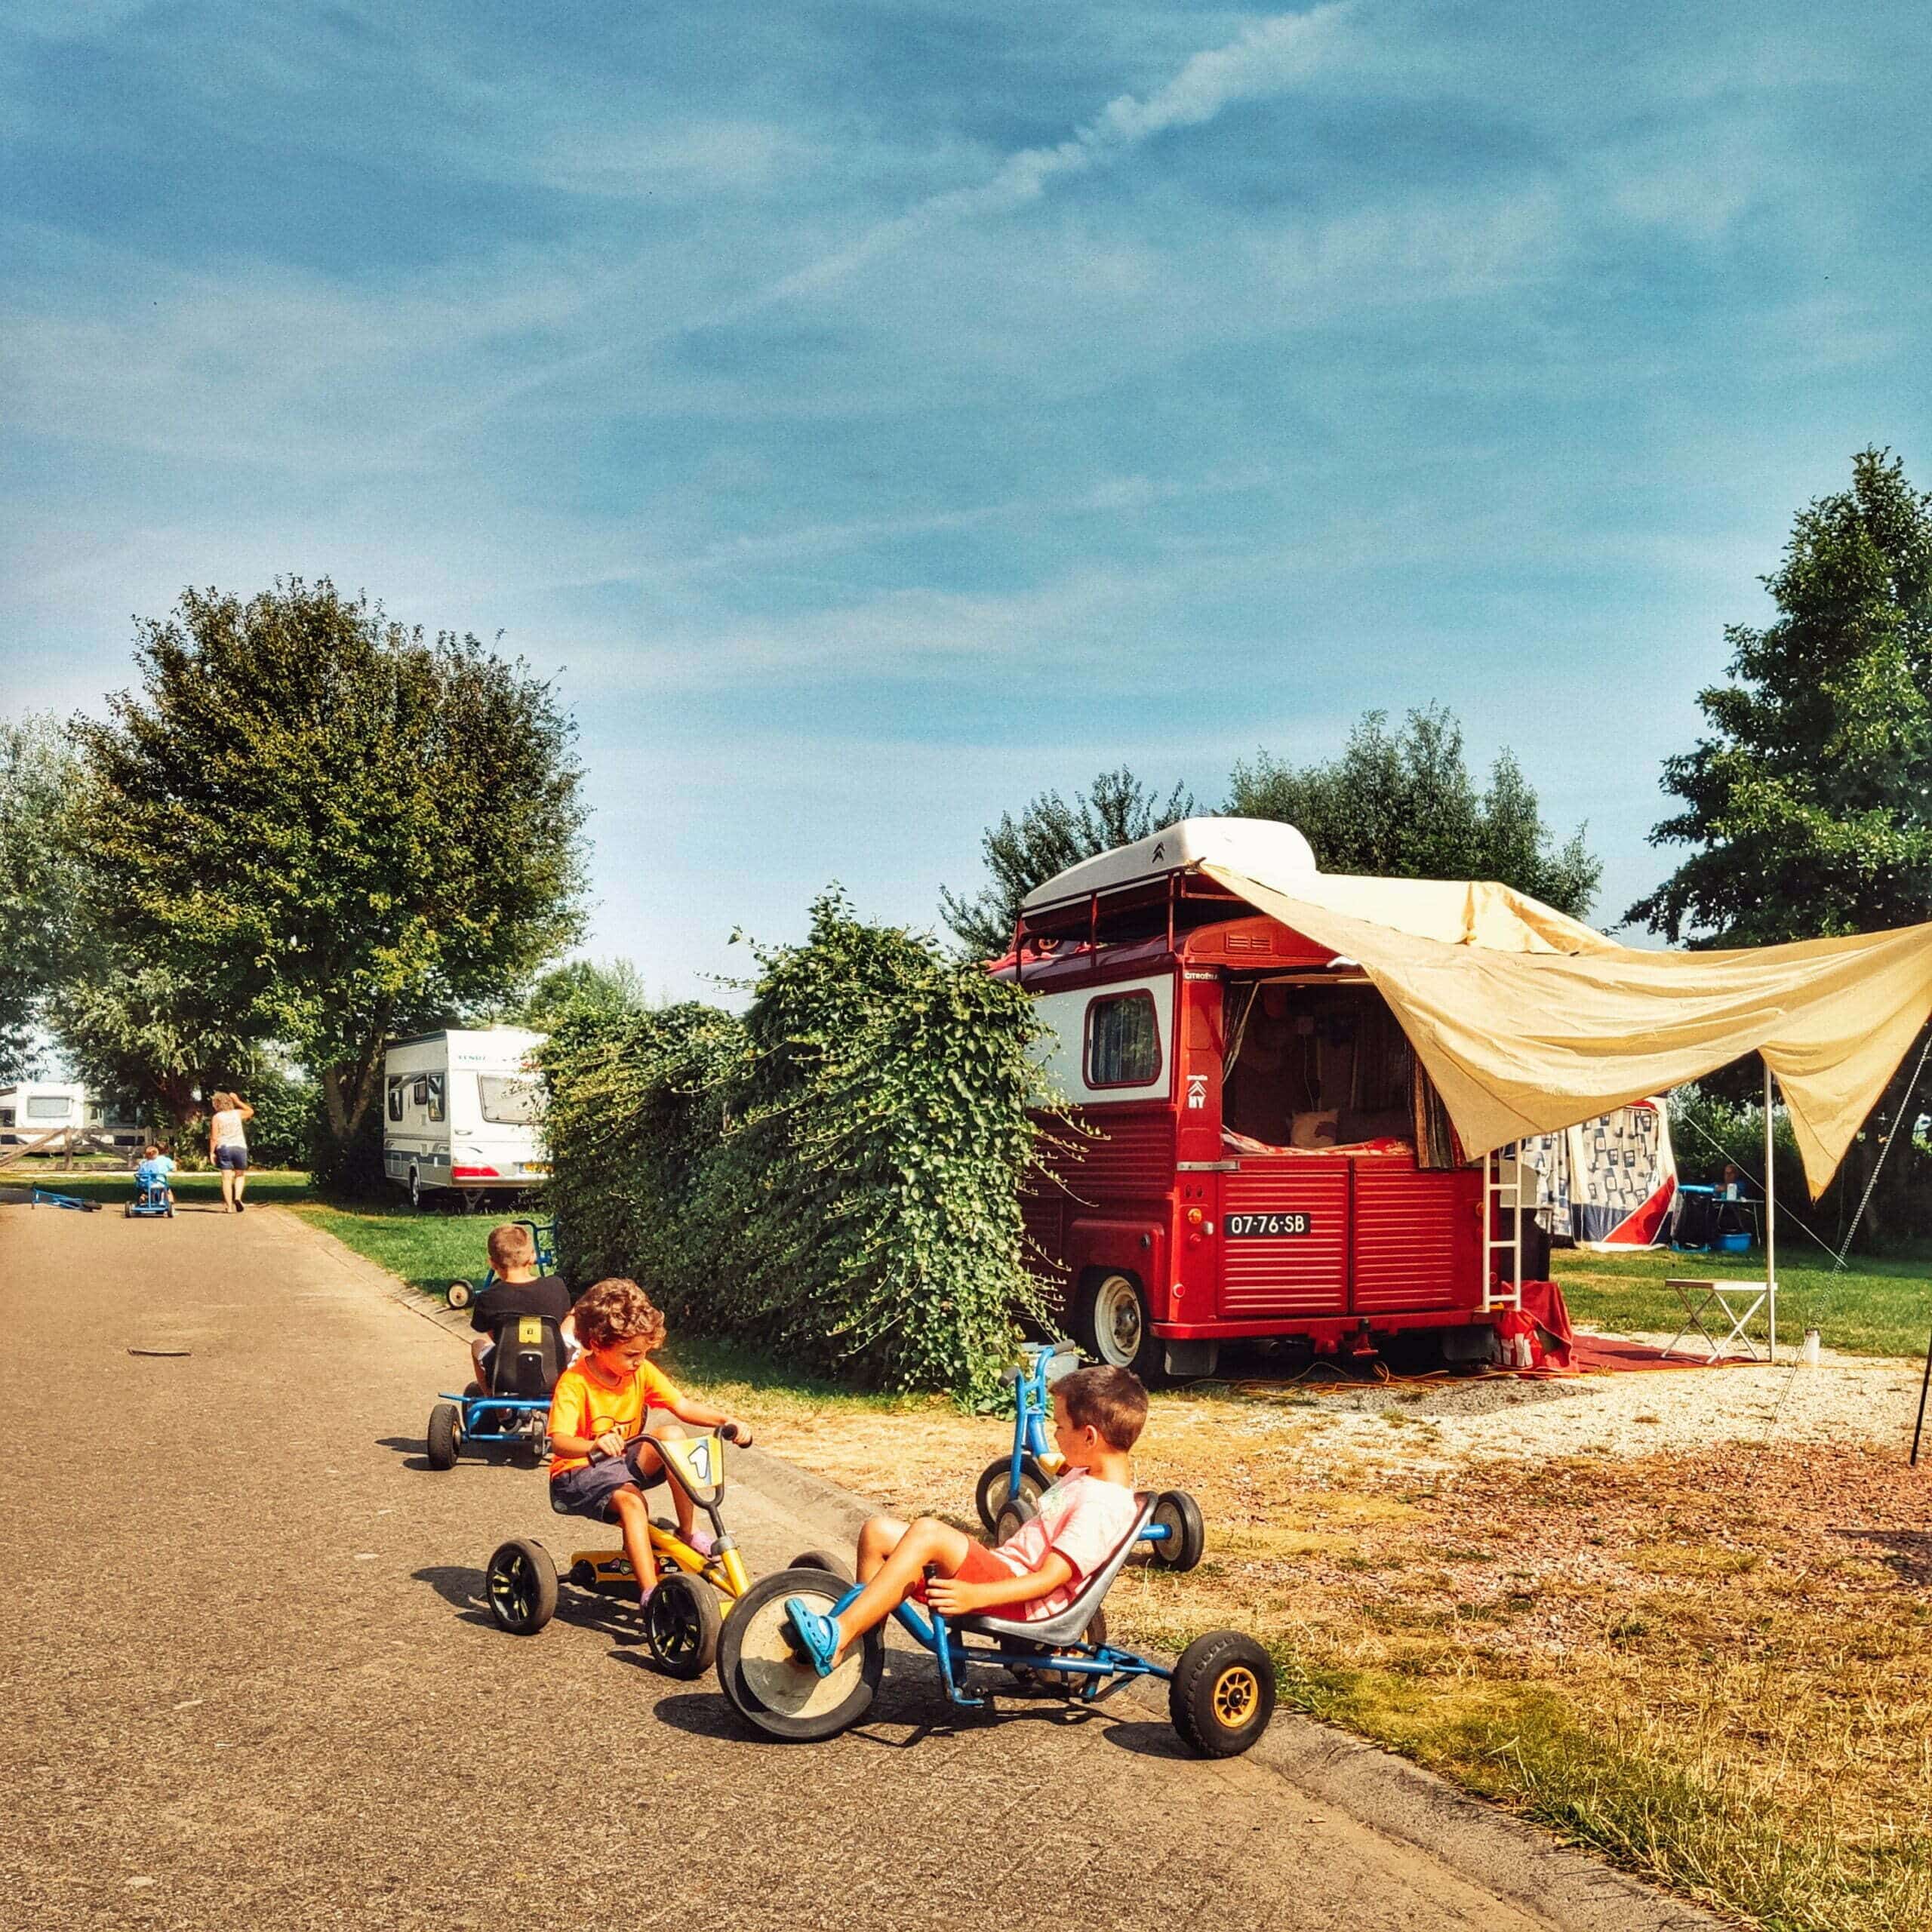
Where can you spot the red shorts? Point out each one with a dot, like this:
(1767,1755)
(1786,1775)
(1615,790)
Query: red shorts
(981,1566)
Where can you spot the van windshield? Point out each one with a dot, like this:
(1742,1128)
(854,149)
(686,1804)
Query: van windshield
(506,1101)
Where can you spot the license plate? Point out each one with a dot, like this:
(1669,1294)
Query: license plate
(1266,1227)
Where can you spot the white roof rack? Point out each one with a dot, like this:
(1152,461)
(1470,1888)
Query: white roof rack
(1263,848)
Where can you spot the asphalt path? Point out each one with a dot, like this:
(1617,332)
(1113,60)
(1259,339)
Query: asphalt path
(248,1680)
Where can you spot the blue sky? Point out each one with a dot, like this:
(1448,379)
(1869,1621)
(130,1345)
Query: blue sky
(874,414)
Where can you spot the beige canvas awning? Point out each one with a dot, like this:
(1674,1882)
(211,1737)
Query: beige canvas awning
(1521,1038)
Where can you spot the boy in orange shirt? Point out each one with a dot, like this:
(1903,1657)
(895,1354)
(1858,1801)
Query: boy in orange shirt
(598,1466)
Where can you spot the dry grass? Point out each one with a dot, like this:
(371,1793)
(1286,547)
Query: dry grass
(1713,1666)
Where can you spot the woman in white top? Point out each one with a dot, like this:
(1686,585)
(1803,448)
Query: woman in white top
(228,1146)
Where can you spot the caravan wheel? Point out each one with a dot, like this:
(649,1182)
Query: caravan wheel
(1111,1321)
(415,1189)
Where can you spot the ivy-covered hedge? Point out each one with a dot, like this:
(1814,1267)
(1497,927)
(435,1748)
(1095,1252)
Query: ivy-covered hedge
(836,1176)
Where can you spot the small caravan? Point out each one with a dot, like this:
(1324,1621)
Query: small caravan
(460,1114)
(33,1113)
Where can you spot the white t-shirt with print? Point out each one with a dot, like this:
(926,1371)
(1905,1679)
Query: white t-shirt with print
(1083,1517)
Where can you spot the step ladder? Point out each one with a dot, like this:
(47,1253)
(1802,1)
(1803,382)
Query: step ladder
(1504,1175)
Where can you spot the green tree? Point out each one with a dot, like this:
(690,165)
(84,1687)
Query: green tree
(39,774)
(611,988)
(1401,804)
(1047,838)
(323,828)
(1808,807)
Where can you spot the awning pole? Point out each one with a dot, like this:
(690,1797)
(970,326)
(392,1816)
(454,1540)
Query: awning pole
(1770,1214)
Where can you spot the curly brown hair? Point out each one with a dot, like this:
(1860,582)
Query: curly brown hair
(615,1310)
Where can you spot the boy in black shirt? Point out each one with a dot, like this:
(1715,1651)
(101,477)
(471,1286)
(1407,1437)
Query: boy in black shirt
(517,1290)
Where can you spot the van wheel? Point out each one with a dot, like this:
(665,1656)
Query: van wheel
(1111,1320)
(415,1189)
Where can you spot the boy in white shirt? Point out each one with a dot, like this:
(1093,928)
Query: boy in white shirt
(1098,1415)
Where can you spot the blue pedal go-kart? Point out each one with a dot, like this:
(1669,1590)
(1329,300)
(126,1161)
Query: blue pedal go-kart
(543,1236)
(1011,1487)
(1220,1691)
(515,1414)
(151,1198)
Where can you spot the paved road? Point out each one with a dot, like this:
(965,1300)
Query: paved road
(249,1681)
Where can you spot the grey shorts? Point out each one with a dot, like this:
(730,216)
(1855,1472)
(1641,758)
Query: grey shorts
(236,1157)
(587,1491)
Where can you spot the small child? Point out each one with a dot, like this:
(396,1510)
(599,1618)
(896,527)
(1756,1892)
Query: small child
(519,1290)
(1098,1415)
(153,1172)
(597,1464)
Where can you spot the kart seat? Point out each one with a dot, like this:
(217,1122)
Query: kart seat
(1071,1624)
(528,1358)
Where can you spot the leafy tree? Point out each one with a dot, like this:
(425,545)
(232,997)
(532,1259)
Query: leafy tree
(1808,806)
(323,828)
(1047,838)
(617,987)
(1403,805)
(39,774)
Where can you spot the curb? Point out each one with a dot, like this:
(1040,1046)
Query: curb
(1567,1887)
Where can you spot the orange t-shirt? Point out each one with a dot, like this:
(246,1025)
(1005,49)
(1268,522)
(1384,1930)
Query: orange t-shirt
(584,1404)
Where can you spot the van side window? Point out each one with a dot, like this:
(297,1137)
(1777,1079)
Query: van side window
(396,1098)
(1123,1042)
(419,1093)
(435,1097)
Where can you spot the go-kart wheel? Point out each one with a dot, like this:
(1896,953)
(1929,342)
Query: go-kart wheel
(1222,1693)
(825,1560)
(445,1436)
(521,1587)
(770,1685)
(1015,1513)
(170,1213)
(1178,1513)
(996,1482)
(681,1622)
(127,1213)
(459,1294)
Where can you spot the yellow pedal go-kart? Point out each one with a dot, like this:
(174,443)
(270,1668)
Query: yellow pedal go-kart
(685,1613)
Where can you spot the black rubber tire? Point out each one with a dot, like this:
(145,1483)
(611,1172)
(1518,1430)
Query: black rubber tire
(682,1621)
(994,1479)
(170,1213)
(127,1213)
(460,1294)
(831,1564)
(1015,1513)
(768,1687)
(1109,1315)
(1187,1534)
(445,1436)
(1222,1694)
(520,1586)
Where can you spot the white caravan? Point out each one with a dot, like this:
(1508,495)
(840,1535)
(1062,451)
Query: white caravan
(460,1112)
(31,1109)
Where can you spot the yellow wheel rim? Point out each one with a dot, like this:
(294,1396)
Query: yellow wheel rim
(1236,1693)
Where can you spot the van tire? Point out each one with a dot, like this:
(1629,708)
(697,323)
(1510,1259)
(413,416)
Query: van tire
(415,1190)
(1111,1321)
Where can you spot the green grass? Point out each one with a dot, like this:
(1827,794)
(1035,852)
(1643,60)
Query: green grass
(429,1250)
(1879,1305)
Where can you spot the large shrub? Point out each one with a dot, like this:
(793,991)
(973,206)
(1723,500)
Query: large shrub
(835,1177)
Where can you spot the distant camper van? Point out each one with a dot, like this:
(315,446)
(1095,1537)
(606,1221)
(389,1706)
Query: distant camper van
(460,1115)
(33,1110)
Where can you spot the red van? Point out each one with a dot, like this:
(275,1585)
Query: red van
(1242,1158)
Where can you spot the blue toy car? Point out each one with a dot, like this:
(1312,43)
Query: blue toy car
(1220,1691)
(1011,1487)
(543,1238)
(515,1414)
(153,1196)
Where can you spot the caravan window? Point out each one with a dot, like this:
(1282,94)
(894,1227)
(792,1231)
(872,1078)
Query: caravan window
(1123,1042)
(50,1107)
(506,1101)
(419,1093)
(396,1097)
(435,1097)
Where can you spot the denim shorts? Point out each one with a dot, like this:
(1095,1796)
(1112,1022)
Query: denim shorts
(234,1157)
(587,1490)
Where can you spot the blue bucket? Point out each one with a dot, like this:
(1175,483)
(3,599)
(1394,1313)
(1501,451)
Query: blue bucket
(1738,1243)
